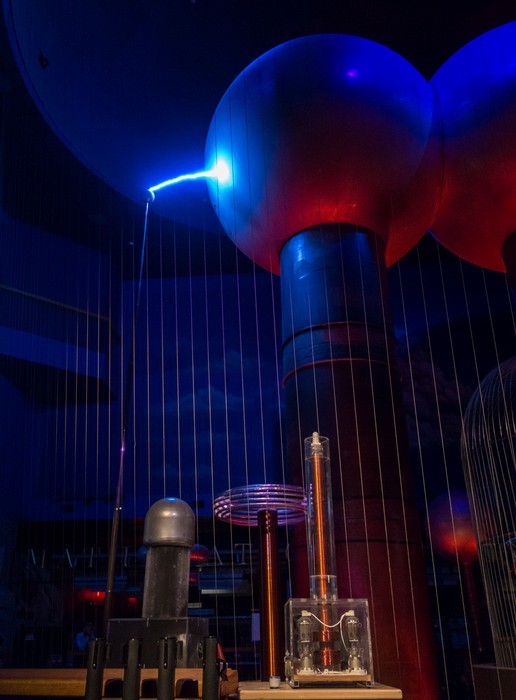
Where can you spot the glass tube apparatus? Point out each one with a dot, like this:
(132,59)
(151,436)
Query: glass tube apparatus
(328,640)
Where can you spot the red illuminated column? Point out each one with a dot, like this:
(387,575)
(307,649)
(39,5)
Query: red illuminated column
(341,379)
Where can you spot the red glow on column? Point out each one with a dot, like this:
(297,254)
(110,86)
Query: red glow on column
(451,529)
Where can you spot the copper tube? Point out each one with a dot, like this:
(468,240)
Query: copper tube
(270,627)
(321,539)
(322,566)
(321,549)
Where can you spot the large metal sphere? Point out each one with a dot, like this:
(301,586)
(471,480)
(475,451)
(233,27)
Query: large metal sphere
(325,129)
(476,89)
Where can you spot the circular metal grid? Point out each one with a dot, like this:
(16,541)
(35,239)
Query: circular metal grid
(241,505)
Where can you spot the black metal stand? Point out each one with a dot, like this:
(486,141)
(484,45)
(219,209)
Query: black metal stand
(210,670)
(132,672)
(95,669)
(166,668)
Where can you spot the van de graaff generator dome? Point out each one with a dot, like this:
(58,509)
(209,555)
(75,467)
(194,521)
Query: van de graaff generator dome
(488,455)
(332,149)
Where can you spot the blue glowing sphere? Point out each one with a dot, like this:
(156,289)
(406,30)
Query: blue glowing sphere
(325,129)
(476,90)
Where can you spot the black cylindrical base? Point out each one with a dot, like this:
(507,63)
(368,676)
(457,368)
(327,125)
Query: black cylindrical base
(132,672)
(167,649)
(210,670)
(95,669)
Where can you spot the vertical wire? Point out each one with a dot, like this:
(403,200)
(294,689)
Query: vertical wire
(244,431)
(227,434)
(208,367)
(97,374)
(400,479)
(227,439)
(133,398)
(75,477)
(300,437)
(226,425)
(413,397)
(314,372)
(256,301)
(488,490)
(421,460)
(86,411)
(484,489)
(378,446)
(337,421)
(497,354)
(490,315)
(163,366)
(487,464)
(178,388)
(279,413)
(54,487)
(208,356)
(443,451)
(475,360)
(111,358)
(440,429)
(341,466)
(148,386)
(359,451)
(126,394)
(364,508)
(259,379)
(242,373)
(192,369)
(510,305)
(406,532)
(295,378)
(108,350)
(244,423)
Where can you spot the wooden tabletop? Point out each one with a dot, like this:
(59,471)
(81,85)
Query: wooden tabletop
(71,682)
(260,691)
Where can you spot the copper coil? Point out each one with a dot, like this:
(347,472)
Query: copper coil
(324,636)
(327,657)
(241,505)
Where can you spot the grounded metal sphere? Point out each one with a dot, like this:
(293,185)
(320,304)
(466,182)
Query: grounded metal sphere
(476,91)
(325,129)
(169,521)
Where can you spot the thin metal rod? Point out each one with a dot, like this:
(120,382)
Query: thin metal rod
(319,498)
(270,627)
(117,513)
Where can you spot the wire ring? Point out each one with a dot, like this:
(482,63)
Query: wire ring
(241,505)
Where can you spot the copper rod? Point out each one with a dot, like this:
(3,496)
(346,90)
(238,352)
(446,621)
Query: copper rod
(319,502)
(270,626)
